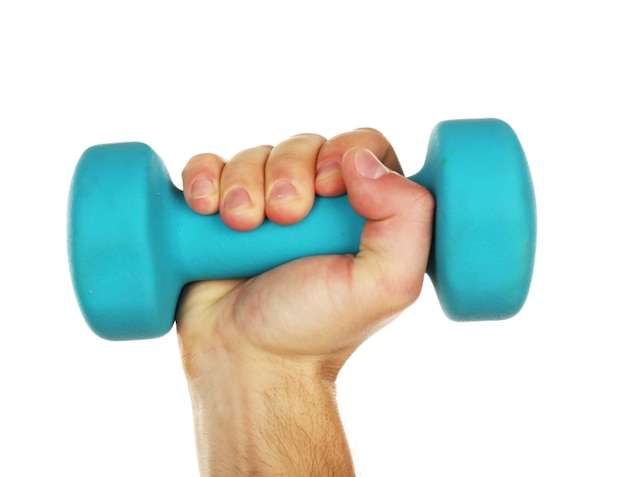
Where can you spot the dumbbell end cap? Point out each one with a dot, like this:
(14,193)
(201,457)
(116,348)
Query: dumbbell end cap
(119,281)
(483,250)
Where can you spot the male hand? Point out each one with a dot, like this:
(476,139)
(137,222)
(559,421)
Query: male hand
(275,343)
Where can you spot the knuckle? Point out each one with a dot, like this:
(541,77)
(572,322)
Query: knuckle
(205,159)
(426,199)
(252,154)
(308,137)
(371,131)
(297,148)
(286,156)
(421,199)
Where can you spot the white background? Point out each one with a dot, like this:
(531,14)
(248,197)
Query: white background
(541,394)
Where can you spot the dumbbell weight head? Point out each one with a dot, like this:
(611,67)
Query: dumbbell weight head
(133,242)
(483,251)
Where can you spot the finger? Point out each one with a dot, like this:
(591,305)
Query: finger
(395,242)
(242,189)
(329,180)
(201,178)
(290,178)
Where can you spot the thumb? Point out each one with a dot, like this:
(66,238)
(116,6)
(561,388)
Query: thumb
(395,243)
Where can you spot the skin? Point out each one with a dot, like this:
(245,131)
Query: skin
(262,355)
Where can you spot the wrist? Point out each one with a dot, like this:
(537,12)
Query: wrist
(258,413)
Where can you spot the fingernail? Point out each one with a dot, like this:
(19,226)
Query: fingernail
(282,191)
(368,165)
(328,170)
(236,199)
(202,187)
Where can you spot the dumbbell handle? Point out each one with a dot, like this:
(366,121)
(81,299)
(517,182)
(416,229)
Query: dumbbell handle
(205,248)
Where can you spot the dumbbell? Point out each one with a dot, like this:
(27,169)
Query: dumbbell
(133,242)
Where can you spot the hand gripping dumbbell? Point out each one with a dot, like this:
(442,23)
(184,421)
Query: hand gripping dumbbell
(133,242)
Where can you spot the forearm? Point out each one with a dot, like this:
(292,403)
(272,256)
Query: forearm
(256,420)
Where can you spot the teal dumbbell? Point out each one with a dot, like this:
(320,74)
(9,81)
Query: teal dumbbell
(133,242)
